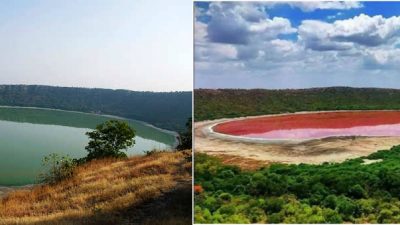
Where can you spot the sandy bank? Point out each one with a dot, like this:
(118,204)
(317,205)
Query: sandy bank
(332,149)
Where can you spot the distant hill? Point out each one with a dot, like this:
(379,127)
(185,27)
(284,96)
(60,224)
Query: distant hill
(168,110)
(228,103)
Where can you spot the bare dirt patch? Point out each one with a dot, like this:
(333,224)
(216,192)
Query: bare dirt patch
(332,149)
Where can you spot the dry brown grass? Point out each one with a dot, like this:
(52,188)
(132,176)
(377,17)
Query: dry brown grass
(101,192)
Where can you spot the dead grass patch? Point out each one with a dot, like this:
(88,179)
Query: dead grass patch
(99,191)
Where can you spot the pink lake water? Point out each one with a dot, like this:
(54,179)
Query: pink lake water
(314,133)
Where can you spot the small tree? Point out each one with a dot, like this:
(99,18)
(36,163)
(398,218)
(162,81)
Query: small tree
(185,138)
(108,139)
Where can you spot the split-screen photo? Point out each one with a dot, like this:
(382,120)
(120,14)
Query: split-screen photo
(199,112)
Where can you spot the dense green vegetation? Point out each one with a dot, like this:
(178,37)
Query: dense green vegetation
(229,103)
(168,110)
(351,191)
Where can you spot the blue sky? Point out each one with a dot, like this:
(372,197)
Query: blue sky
(297,44)
(119,44)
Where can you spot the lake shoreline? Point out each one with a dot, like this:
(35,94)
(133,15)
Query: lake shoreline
(34,124)
(173,133)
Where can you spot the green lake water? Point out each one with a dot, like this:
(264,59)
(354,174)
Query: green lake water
(28,134)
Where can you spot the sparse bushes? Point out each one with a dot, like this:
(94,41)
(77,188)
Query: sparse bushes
(107,141)
(57,168)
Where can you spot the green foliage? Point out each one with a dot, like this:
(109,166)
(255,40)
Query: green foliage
(350,192)
(168,110)
(108,139)
(57,168)
(230,103)
(346,207)
(152,152)
(357,192)
(273,205)
(330,202)
(185,138)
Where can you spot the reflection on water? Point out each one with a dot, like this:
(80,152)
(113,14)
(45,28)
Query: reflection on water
(27,135)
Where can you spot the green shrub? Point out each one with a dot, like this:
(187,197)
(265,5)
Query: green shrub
(273,205)
(57,168)
(357,192)
(226,197)
(109,139)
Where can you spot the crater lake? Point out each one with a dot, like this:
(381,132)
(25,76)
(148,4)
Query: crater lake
(29,134)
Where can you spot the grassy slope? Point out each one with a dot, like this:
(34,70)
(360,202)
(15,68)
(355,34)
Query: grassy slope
(229,103)
(109,192)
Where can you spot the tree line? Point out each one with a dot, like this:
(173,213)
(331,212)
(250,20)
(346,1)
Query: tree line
(228,103)
(168,110)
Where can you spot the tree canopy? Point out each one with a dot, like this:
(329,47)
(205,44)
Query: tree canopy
(109,139)
(350,191)
(228,103)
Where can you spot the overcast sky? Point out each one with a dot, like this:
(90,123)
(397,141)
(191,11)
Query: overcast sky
(297,44)
(132,44)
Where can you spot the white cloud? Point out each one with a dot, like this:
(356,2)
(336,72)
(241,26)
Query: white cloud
(238,23)
(200,31)
(271,28)
(206,51)
(309,6)
(382,58)
(316,35)
(367,30)
(362,30)
(235,46)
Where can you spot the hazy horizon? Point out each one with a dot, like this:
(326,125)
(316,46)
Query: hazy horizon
(133,45)
(317,87)
(281,45)
(115,89)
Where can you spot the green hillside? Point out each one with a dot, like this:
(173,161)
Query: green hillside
(228,103)
(168,110)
